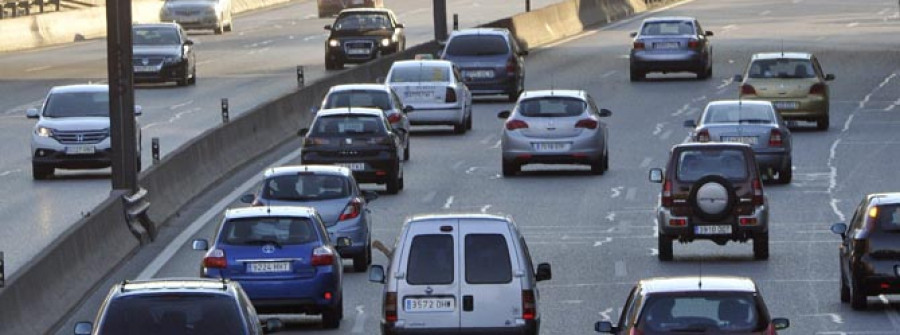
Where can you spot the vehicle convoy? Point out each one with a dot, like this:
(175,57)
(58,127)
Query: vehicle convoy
(162,52)
(72,131)
(435,91)
(328,8)
(360,139)
(282,257)
(793,81)
(373,96)
(555,127)
(754,123)
(489,59)
(215,15)
(671,44)
(177,306)
(869,253)
(462,273)
(694,305)
(360,35)
(711,191)
(333,192)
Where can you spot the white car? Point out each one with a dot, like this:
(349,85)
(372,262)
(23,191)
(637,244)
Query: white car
(435,91)
(372,96)
(204,14)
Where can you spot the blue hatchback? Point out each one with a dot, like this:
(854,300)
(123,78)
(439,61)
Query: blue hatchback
(282,257)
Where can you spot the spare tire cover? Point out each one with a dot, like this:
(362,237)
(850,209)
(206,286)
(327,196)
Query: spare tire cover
(712,198)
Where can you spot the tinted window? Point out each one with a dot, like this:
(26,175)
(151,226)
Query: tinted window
(696,164)
(344,125)
(551,107)
(430,260)
(358,98)
(306,187)
(668,28)
(781,68)
(362,21)
(888,218)
(739,114)
(77,104)
(487,259)
(172,314)
(477,45)
(420,74)
(708,313)
(155,36)
(269,230)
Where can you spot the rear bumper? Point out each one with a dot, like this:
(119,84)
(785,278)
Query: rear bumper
(810,109)
(424,116)
(690,60)
(530,327)
(377,170)
(586,148)
(775,160)
(502,85)
(298,295)
(738,232)
(193,23)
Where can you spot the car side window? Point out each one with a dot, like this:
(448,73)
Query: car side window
(593,106)
(856,224)
(325,237)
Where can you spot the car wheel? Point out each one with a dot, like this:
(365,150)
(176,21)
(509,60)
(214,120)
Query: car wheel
(361,262)
(664,244)
(193,80)
(230,27)
(41,172)
(331,317)
(394,180)
(219,28)
(184,80)
(823,123)
(406,150)
(459,128)
(636,75)
(786,173)
(469,123)
(597,166)
(858,299)
(512,96)
(606,161)
(845,290)
(510,169)
(761,246)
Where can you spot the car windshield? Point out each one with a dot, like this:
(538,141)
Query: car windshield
(702,312)
(82,104)
(172,313)
(269,230)
(420,74)
(551,107)
(696,164)
(477,45)
(735,113)
(155,36)
(657,28)
(362,21)
(347,125)
(783,68)
(359,98)
(306,187)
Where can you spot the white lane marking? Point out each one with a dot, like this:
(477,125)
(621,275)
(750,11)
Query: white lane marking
(430,196)
(620,269)
(448,203)
(654,252)
(605,314)
(38,68)
(699,99)
(457,165)
(834,317)
(487,140)
(571,302)
(496,145)
(680,111)
(291,37)
(6,173)
(646,162)
(616,191)
(177,106)
(24,107)
(725,83)
(765,12)
(313,37)
(852,24)
(605,240)
(485,208)
(630,194)
(611,216)
(659,128)
(883,11)
(892,314)
(471,170)
(729,27)
(360,321)
(610,73)
(169,251)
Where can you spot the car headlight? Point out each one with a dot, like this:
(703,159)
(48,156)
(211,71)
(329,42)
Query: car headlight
(385,42)
(44,132)
(334,43)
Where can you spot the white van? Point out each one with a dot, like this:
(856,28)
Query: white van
(457,272)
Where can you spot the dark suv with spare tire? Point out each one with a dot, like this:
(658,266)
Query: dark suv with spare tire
(711,191)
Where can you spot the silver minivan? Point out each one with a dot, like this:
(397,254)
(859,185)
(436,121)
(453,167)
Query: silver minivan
(450,273)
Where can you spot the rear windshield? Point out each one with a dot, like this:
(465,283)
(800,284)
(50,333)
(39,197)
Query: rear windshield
(551,107)
(667,28)
(155,36)
(176,313)
(359,98)
(763,114)
(85,104)
(347,125)
(487,259)
(306,187)
(477,45)
(362,21)
(430,260)
(269,230)
(696,164)
(707,313)
(888,218)
(420,74)
(784,68)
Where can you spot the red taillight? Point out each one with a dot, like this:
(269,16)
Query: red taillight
(747,221)
(390,307)
(515,124)
(215,259)
(587,123)
(327,295)
(775,139)
(667,193)
(638,45)
(693,44)
(511,66)
(748,89)
(352,210)
(314,141)
(322,256)
(635,331)
(770,330)
(703,135)
(451,95)
(529,309)
(817,89)
(677,222)
(394,118)
(757,193)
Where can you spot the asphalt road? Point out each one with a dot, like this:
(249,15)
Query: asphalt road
(598,231)
(253,65)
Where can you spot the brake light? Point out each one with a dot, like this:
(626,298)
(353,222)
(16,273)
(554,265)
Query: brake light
(748,89)
(677,222)
(587,123)
(529,309)
(390,307)
(757,192)
(775,139)
(511,66)
(703,135)
(693,44)
(451,95)
(322,256)
(394,118)
(215,259)
(314,141)
(515,124)
(352,210)
(747,221)
(638,45)
(817,89)
(667,193)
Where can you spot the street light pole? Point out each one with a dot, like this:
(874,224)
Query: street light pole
(121,95)
(440,20)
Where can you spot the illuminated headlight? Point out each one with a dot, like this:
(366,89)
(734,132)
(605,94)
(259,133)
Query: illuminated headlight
(172,59)
(385,42)
(44,132)
(334,43)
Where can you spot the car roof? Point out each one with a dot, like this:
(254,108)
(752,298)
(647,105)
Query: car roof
(578,94)
(695,145)
(81,88)
(888,198)
(781,54)
(265,211)
(366,10)
(175,285)
(740,102)
(696,284)
(155,24)
(452,216)
(431,62)
(295,169)
(481,31)
(669,18)
(360,87)
(353,110)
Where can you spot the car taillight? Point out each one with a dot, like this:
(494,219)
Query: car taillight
(770,330)
(322,256)
(394,118)
(587,123)
(638,45)
(529,309)
(451,95)
(515,124)
(390,307)
(314,141)
(215,259)
(757,192)
(635,331)
(748,89)
(511,67)
(703,135)
(775,139)
(667,193)
(352,210)
(693,44)
(817,89)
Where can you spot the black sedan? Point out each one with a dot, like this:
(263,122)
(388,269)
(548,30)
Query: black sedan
(671,44)
(163,53)
(360,35)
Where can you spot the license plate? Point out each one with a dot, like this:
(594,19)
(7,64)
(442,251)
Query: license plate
(712,230)
(550,146)
(751,140)
(479,74)
(138,68)
(80,150)
(418,94)
(786,105)
(268,267)
(358,51)
(666,45)
(354,166)
(357,2)
(429,304)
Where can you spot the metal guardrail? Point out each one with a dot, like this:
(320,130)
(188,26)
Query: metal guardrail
(16,8)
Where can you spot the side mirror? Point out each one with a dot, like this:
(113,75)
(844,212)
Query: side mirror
(408,109)
(370,195)
(604,327)
(188,42)
(343,242)
(302,132)
(376,274)
(656,175)
(272,326)
(138,110)
(200,244)
(503,115)
(83,328)
(400,25)
(738,78)
(781,323)
(248,198)
(605,112)
(32,113)
(829,77)
(327,27)
(690,124)
(543,272)
(840,229)
(632,34)
(709,33)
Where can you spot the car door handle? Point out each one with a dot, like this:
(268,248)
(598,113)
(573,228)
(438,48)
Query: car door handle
(468,303)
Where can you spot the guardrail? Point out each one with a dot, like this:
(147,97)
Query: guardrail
(16,8)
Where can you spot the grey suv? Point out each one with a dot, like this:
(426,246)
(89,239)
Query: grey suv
(490,59)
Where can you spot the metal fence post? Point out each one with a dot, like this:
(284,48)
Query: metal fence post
(154,149)
(527,5)
(2,271)
(455,21)
(225,110)
(301,77)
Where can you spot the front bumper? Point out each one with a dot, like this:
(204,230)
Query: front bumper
(688,232)
(208,21)
(688,60)
(527,327)
(166,73)
(338,54)
(443,116)
(49,152)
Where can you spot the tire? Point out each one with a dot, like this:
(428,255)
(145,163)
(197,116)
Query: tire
(606,161)
(845,290)
(230,27)
(761,247)
(361,262)
(469,123)
(331,317)
(664,244)
(597,166)
(406,150)
(512,96)
(636,75)
(510,169)
(218,30)
(394,182)
(459,129)
(858,298)
(823,123)
(41,172)
(786,174)
(184,80)
(193,80)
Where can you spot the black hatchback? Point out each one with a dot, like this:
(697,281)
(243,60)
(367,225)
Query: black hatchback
(490,59)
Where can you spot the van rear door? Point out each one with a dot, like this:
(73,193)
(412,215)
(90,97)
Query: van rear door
(428,291)
(491,280)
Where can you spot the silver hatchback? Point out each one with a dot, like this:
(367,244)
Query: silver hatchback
(555,127)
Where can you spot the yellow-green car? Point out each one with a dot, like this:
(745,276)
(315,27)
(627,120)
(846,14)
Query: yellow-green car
(792,81)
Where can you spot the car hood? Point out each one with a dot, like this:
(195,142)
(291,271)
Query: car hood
(362,33)
(330,210)
(75,123)
(190,4)
(155,50)
(467,62)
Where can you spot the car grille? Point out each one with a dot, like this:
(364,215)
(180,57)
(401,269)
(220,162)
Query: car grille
(150,60)
(80,136)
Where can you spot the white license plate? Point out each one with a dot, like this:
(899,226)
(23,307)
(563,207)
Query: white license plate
(354,166)
(479,74)
(666,45)
(357,2)
(751,140)
(429,304)
(550,146)
(712,230)
(418,94)
(268,267)
(786,105)
(138,68)
(358,51)
(80,150)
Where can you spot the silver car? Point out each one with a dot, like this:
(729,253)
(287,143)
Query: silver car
(333,192)
(435,91)
(751,122)
(555,127)
(199,14)
(373,96)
